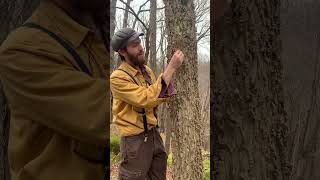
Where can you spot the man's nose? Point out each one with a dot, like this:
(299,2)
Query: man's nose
(140,47)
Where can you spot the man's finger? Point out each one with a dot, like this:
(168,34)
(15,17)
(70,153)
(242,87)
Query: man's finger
(182,56)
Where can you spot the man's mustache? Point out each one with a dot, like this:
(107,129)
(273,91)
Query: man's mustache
(140,53)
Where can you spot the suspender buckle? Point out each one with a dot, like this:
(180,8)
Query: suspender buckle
(145,138)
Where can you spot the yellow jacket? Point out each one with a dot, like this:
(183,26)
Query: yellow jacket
(59,115)
(129,99)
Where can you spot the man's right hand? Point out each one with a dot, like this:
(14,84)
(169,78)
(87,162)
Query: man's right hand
(176,60)
(173,65)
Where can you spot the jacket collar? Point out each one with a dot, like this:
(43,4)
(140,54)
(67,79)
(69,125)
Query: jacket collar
(127,67)
(52,17)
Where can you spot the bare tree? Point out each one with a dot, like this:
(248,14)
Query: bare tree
(130,10)
(184,108)
(112,29)
(153,34)
(126,14)
(139,11)
(202,9)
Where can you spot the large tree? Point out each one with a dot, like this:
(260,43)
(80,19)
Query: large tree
(12,14)
(250,123)
(184,109)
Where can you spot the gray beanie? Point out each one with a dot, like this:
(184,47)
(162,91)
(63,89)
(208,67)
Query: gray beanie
(122,37)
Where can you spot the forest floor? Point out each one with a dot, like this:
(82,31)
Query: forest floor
(206,165)
(114,172)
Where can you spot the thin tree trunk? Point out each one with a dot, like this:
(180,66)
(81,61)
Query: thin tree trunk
(112,29)
(168,129)
(147,41)
(126,15)
(124,25)
(162,51)
(153,35)
(184,109)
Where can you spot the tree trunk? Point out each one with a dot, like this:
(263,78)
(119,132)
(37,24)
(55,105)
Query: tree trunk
(126,14)
(147,44)
(162,50)
(300,35)
(184,109)
(124,25)
(112,29)
(250,122)
(168,128)
(12,14)
(153,35)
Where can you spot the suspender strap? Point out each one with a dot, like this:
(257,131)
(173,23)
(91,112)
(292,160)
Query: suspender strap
(145,122)
(82,66)
(66,45)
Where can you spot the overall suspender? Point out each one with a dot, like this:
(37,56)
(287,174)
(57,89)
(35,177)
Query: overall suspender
(145,122)
(66,45)
(82,66)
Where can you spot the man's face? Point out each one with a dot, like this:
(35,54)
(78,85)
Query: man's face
(135,52)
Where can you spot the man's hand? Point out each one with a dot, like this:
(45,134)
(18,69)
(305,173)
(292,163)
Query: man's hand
(173,65)
(176,60)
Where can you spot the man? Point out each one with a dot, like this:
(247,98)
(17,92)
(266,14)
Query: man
(136,94)
(59,114)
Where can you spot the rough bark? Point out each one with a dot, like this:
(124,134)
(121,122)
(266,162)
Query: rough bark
(12,14)
(184,109)
(247,102)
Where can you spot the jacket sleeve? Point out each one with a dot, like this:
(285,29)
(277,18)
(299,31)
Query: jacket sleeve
(167,90)
(44,87)
(142,97)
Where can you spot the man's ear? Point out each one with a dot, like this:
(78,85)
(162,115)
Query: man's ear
(122,52)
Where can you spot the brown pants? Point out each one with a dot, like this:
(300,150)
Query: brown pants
(143,160)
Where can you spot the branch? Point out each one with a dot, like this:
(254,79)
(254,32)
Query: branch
(131,11)
(139,11)
(160,20)
(144,10)
(204,34)
(143,4)
(134,13)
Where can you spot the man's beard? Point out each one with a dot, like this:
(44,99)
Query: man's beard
(135,60)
